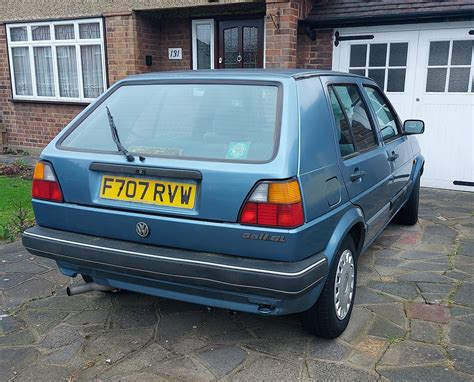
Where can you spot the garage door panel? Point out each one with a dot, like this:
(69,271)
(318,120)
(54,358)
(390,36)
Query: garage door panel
(444,98)
(446,144)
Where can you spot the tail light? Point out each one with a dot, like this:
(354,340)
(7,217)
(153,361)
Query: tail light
(45,184)
(274,204)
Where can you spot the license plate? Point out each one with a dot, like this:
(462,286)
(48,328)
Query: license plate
(139,190)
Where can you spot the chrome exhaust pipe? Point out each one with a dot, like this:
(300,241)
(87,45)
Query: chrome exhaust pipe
(88,287)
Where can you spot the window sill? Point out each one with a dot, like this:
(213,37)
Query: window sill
(52,102)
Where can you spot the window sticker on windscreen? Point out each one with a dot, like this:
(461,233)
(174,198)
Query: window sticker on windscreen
(237,150)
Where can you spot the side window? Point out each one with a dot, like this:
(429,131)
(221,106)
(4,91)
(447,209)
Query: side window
(386,118)
(343,132)
(357,118)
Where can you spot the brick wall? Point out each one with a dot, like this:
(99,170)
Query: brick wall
(175,33)
(315,54)
(148,43)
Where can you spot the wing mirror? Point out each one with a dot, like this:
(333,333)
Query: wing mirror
(413,126)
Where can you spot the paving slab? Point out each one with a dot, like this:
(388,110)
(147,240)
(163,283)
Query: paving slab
(434,313)
(410,353)
(268,370)
(461,333)
(427,373)
(424,331)
(321,370)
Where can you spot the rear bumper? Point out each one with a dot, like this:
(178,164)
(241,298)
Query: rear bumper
(179,273)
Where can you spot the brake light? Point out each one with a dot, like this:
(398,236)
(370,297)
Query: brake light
(45,184)
(274,204)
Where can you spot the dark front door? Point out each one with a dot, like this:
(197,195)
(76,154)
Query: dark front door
(240,44)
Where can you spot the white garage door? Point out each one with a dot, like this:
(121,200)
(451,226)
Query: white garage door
(427,71)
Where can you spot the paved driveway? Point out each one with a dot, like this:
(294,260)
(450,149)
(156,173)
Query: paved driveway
(413,320)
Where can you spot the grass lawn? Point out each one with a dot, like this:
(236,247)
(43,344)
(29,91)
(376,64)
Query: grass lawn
(14,192)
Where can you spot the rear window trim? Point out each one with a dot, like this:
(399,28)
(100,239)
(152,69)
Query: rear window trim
(182,81)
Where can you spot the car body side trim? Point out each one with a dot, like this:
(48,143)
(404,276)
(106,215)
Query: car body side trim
(190,261)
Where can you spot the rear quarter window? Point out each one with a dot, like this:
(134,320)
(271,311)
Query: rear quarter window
(224,122)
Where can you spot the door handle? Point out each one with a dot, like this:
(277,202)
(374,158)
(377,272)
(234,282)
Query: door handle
(393,157)
(357,175)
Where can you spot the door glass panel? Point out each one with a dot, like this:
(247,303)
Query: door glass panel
(385,115)
(378,75)
(378,54)
(398,54)
(439,52)
(462,52)
(459,80)
(250,47)
(356,113)
(396,80)
(343,132)
(203,46)
(436,79)
(358,55)
(231,47)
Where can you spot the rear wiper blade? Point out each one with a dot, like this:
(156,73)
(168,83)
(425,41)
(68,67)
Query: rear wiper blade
(116,138)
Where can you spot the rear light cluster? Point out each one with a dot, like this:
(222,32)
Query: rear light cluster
(274,204)
(45,184)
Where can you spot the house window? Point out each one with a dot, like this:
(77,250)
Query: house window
(57,61)
(203,44)
(449,66)
(385,63)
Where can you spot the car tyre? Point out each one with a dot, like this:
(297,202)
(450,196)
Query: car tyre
(329,316)
(408,214)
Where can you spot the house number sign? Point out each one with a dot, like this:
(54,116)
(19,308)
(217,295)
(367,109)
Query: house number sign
(175,53)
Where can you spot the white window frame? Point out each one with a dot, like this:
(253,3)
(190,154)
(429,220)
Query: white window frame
(195,23)
(53,43)
(448,67)
(386,67)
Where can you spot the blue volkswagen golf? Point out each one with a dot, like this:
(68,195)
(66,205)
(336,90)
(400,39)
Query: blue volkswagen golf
(246,190)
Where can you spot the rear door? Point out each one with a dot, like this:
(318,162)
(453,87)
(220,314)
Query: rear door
(364,164)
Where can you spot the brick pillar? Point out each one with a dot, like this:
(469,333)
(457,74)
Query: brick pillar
(281,45)
(121,45)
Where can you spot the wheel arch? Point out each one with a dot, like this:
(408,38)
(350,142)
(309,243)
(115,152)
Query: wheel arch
(352,223)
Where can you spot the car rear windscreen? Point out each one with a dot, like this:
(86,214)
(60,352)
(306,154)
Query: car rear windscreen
(225,122)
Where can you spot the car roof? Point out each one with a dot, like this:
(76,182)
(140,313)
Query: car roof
(240,74)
